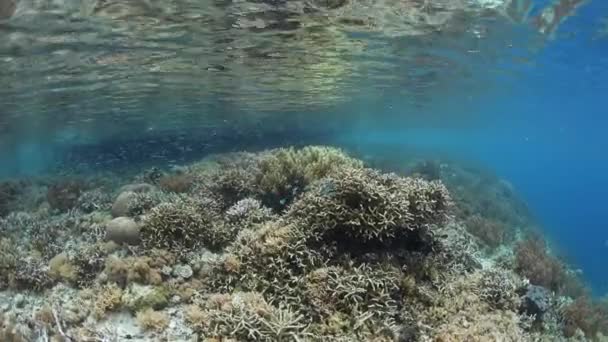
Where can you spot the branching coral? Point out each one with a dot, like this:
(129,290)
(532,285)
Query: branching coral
(231,184)
(497,287)
(458,313)
(369,294)
(32,274)
(248,212)
(284,173)
(184,224)
(272,259)
(364,205)
(276,177)
(246,316)
(93,200)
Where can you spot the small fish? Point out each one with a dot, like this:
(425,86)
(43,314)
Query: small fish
(216,68)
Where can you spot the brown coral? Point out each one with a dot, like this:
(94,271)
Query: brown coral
(64,195)
(108,299)
(178,183)
(533,261)
(150,319)
(590,317)
(8,193)
(492,233)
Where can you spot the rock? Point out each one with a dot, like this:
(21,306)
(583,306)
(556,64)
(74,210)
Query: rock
(137,188)
(182,271)
(19,301)
(536,301)
(7,9)
(123,230)
(122,202)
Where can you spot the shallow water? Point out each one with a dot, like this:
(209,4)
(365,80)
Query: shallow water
(509,87)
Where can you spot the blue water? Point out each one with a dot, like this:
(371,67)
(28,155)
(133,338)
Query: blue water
(542,125)
(547,134)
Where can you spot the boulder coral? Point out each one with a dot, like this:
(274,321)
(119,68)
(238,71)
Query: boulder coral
(123,230)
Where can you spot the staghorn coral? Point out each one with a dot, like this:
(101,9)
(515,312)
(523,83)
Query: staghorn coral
(231,184)
(133,203)
(246,316)
(361,205)
(369,295)
(286,172)
(89,260)
(248,212)
(457,312)
(94,200)
(184,224)
(497,287)
(33,274)
(272,259)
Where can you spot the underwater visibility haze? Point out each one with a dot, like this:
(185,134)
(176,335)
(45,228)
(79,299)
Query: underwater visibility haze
(303,170)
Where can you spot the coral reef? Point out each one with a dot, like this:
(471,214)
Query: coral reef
(281,245)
